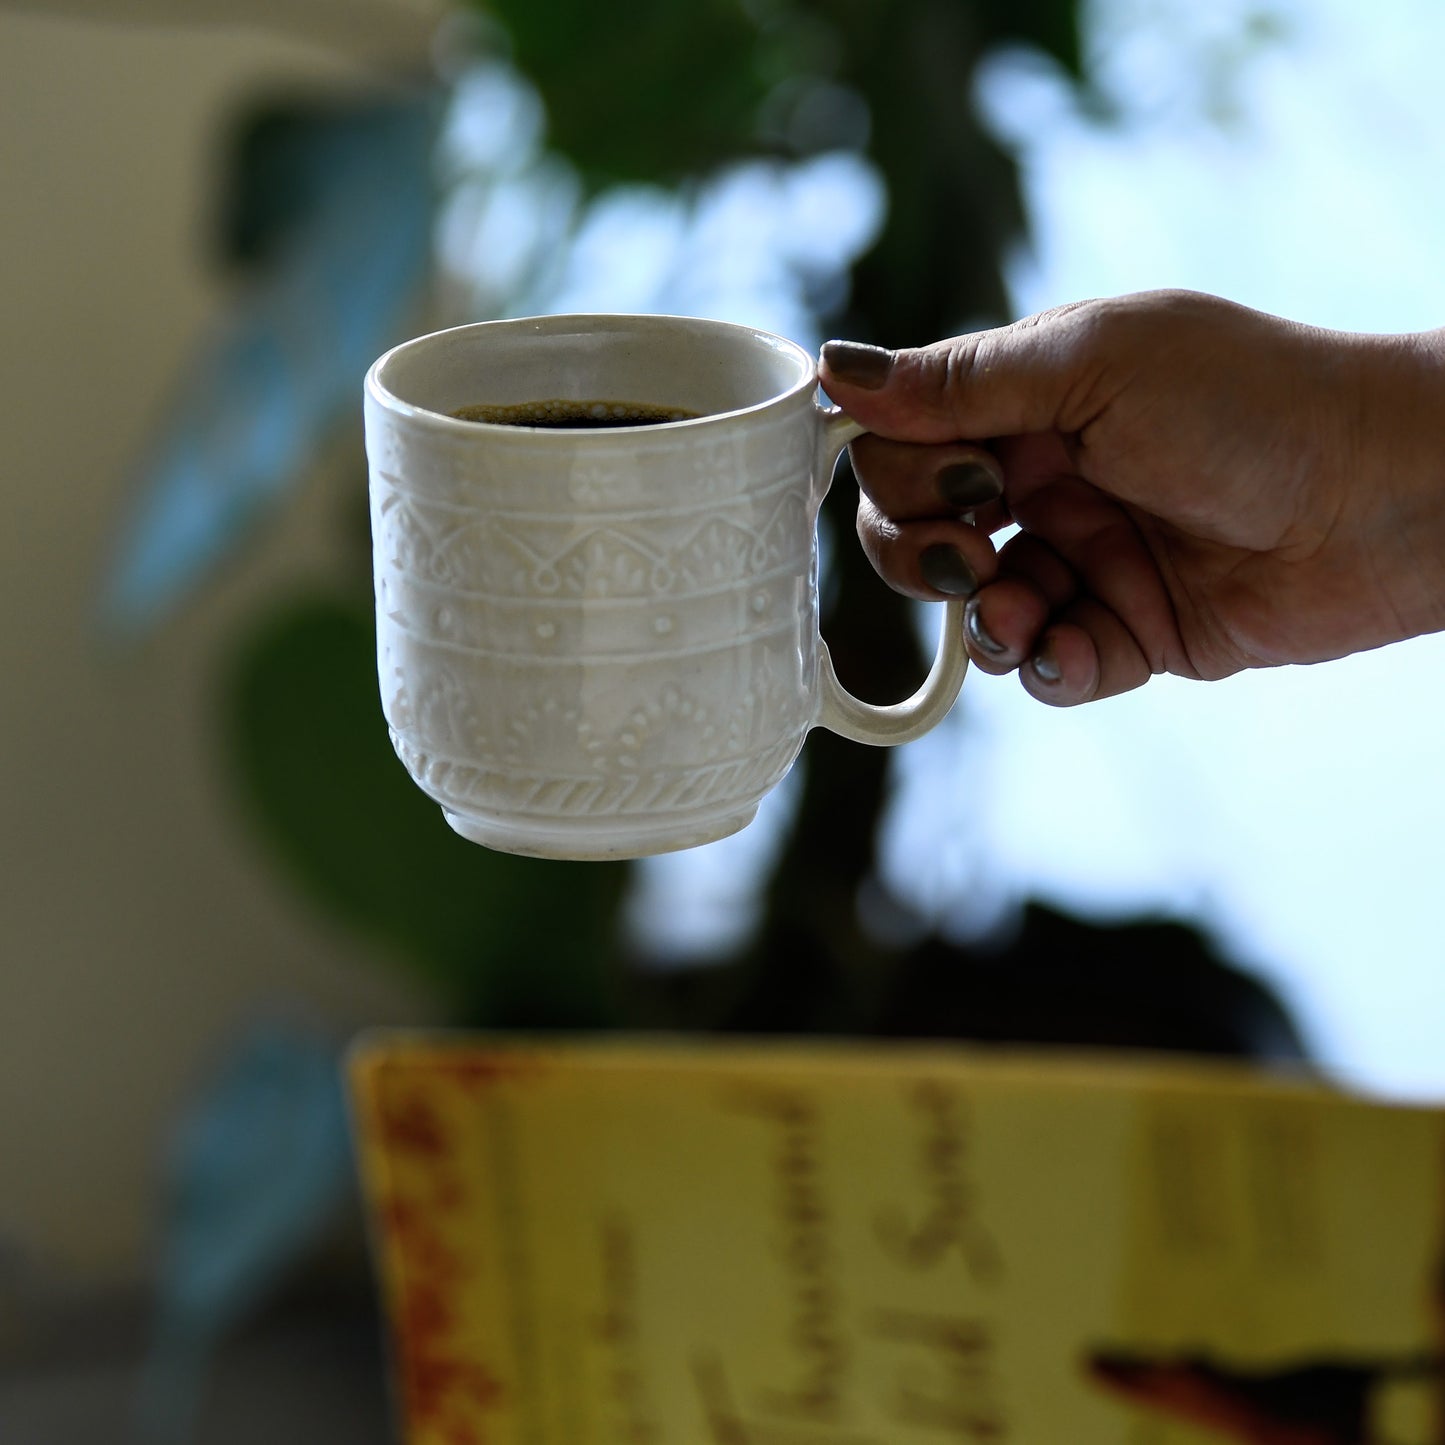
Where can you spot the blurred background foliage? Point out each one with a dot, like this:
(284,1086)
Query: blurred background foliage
(557,99)
(493,188)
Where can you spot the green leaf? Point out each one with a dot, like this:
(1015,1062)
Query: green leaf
(508,941)
(258,1172)
(655,93)
(331,211)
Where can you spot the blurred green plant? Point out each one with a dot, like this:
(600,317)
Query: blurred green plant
(325,225)
(669,98)
(323,205)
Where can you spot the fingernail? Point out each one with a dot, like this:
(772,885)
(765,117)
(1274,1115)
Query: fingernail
(1045,663)
(979,635)
(944,570)
(857,364)
(966,485)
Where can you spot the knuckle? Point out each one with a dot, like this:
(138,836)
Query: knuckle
(871,526)
(884,544)
(1090,328)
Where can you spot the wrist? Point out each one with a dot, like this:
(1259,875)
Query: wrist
(1409,488)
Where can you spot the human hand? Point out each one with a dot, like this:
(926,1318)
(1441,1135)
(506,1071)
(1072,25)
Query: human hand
(1199,488)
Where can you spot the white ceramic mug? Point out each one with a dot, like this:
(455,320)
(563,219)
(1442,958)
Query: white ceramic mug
(603,643)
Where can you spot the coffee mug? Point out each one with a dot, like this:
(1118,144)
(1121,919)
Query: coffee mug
(602,641)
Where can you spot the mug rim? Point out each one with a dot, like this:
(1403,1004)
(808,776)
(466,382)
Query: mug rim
(378,391)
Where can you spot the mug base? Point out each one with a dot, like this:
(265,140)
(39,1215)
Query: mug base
(601,839)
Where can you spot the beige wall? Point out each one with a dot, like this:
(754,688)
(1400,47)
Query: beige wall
(139,923)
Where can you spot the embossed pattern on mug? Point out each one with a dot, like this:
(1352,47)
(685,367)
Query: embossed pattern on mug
(579,571)
(509,554)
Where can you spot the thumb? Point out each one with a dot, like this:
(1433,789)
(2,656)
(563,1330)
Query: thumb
(1012,380)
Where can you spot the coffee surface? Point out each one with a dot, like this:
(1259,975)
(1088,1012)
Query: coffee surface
(573,415)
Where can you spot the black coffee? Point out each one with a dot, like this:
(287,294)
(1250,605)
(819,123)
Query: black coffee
(574,414)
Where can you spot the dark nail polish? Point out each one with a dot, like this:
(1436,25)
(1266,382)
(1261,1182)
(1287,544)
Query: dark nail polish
(944,570)
(857,364)
(966,485)
(979,635)
(1046,664)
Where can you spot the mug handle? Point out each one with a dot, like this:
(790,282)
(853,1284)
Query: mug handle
(842,713)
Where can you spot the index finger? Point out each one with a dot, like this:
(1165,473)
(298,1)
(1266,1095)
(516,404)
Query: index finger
(1018,378)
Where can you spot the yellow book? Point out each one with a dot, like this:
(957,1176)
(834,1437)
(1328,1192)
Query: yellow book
(640,1243)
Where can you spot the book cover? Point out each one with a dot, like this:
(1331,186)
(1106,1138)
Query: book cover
(629,1243)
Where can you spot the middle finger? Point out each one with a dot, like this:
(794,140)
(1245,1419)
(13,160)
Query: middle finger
(909,481)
